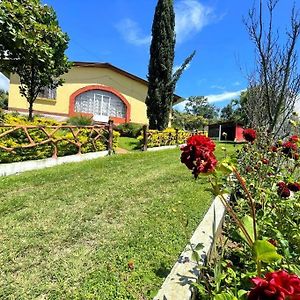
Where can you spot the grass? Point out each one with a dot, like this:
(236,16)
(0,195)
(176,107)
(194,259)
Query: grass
(68,232)
(128,143)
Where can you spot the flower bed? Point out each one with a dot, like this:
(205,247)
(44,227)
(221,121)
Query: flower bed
(258,255)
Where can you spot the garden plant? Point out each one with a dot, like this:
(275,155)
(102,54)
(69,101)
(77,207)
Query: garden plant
(258,255)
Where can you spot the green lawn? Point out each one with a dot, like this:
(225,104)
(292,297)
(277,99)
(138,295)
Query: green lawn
(68,232)
(128,143)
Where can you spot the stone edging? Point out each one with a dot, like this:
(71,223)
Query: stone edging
(178,283)
(22,166)
(162,148)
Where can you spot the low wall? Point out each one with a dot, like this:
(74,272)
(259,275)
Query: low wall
(178,283)
(19,167)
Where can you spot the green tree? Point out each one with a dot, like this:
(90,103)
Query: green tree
(3,99)
(32,46)
(162,51)
(186,121)
(198,105)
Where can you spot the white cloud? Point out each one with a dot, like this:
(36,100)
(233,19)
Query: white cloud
(132,33)
(213,98)
(4,82)
(223,96)
(191,17)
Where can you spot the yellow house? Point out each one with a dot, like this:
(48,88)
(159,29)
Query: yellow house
(100,90)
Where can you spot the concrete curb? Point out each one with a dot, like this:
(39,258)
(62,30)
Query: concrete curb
(178,283)
(162,148)
(29,165)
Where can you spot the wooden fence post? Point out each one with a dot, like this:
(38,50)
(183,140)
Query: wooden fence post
(145,137)
(110,137)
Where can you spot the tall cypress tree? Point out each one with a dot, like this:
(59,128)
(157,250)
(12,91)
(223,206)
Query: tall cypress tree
(160,91)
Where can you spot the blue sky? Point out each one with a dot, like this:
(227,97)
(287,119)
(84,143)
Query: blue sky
(119,31)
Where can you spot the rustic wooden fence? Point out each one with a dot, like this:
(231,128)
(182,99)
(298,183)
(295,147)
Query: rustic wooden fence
(52,135)
(175,137)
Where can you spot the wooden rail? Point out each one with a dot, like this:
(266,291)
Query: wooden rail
(96,132)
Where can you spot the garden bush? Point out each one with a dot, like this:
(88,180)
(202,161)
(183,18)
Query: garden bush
(259,255)
(65,141)
(130,129)
(80,121)
(165,138)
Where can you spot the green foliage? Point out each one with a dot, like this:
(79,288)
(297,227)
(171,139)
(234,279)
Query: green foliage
(166,137)
(65,147)
(132,130)
(160,94)
(32,46)
(198,105)
(3,99)
(80,120)
(188,121)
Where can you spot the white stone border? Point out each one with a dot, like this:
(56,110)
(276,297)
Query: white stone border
(22,166)
(162,148)
(178,283)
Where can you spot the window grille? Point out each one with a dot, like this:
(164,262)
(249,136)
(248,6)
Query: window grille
(47,93)
(101,103)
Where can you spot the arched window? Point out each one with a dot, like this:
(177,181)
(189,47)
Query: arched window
(98,102)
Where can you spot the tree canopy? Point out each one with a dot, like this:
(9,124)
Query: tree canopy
(199,105)
(32,45)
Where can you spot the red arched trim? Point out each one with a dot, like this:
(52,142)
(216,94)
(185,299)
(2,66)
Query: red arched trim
(105,88)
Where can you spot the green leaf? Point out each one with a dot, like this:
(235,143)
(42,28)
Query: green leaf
(241,293)
(225,296)
(265,252)
(195,256)
(247,221)
(226,167)
(199,247)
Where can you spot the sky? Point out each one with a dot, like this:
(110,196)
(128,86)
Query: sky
(119,32)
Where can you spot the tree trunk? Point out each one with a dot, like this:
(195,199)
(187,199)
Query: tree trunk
(30,110)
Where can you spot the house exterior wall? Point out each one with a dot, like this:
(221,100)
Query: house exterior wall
(79,78)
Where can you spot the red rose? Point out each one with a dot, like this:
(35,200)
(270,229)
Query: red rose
(198,155)
(274,149)
(289,148)
(289,284)
(283,192)
(281,184)
(201,141)
(249,135)
(265,290)
(294,187)
(265,161)
(278,285)
(294,139)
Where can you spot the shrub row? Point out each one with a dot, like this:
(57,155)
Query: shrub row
(169,136)
(63,138)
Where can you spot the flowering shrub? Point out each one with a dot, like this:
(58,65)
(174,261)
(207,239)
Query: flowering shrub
(262,226)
